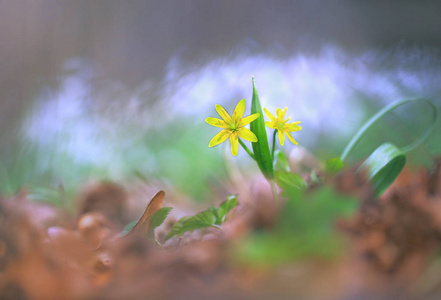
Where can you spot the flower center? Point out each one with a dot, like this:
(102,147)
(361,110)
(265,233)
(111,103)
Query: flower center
(279,125)
(233,127)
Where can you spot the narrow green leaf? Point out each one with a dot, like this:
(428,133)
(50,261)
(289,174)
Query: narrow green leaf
(289,181)
(281,162)
(333,165)
(224,208)
(361,132)
(261,148)
(383,166)
(159,217)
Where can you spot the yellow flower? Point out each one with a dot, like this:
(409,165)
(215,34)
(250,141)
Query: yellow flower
(232,126)
(282,126)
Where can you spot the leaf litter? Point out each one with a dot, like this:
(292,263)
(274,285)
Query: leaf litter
(391,247)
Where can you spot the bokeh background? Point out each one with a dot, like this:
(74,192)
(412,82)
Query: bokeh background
(120,89)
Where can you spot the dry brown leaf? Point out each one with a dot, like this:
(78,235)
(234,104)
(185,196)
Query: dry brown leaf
(143,224)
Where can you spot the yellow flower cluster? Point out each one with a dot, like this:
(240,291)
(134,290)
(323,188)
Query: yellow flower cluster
(233,126)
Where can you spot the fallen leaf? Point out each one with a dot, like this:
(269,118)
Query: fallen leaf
(143,223)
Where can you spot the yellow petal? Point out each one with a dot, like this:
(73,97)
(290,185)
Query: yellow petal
(223,113)
(234,144)
(270,125)
(248,119)
(284,112)
(292,127)
(239,110)
(281,137)
(284,122)
(279,114)
(247,134)
(291,138)
(272,118)
(216,122)
(219,138)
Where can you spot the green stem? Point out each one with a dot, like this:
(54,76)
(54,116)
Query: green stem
(246,149)
(274,190)
(360,133)
(274,145)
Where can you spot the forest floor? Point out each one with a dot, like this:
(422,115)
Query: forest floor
(392,247)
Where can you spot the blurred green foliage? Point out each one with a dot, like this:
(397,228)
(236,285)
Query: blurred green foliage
(304,229)
(176,154)
(181,156)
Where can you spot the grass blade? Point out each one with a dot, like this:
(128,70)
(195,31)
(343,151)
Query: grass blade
(383,166)
(261,148)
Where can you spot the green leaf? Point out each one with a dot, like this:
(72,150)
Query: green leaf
(333,165)
(281,162)
(289,181)
(383,166)
(261,148)
(159,217)
(201,220)
(177,228)
(212,217)
(224,208)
